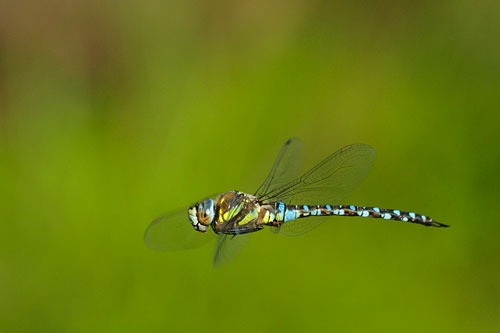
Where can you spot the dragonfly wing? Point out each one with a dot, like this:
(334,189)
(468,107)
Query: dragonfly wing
(228,247)
(287,166)
(328,182)
(300,227)
(174,232)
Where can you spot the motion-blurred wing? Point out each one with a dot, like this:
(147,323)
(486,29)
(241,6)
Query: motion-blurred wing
(287,167)
(228,247)
(329,182)
(174,232)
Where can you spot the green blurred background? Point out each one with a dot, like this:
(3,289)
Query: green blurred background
(112,113)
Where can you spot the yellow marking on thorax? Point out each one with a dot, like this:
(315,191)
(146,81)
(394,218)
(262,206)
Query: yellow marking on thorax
(249,217)
(230,213)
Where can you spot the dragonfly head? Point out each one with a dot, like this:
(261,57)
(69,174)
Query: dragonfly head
(202,214)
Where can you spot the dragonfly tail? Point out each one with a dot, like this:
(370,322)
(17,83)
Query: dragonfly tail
(373,212)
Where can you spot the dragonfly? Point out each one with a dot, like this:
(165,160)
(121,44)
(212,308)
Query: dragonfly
(286,202)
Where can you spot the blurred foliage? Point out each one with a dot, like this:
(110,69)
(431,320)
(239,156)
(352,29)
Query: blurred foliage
(113,113)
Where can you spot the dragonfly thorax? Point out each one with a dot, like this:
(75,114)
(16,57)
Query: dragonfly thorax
(202,214)
(230,213)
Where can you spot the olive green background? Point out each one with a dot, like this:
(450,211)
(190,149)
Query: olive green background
(112,113)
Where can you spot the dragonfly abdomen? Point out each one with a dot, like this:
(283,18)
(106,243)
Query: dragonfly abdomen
(287,213)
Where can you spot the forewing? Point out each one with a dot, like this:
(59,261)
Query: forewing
(329,182)
(228,247)
(173,232)
(287,166)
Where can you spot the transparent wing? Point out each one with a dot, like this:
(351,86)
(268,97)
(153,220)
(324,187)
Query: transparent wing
(174,232)
(228,247)
(287,167)
(299,227)
(329,182)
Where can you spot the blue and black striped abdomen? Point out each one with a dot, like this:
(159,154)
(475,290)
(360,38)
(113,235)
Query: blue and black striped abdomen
(285,213)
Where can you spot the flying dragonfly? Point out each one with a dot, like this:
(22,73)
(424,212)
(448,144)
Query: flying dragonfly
(286,203)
